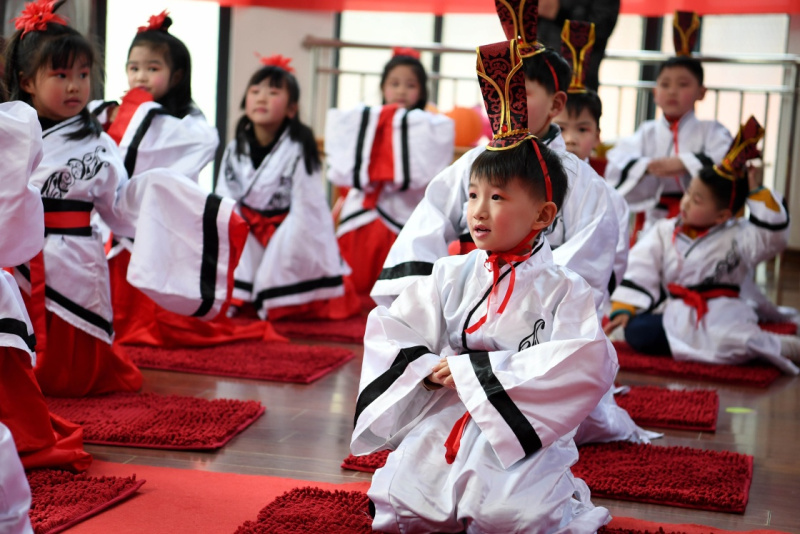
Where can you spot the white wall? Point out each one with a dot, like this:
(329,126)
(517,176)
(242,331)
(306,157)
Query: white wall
(268,31)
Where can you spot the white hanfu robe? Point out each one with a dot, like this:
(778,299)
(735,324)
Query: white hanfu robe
(180,255)
(527,377)
(729,332)
(301,263)
(700,143)
(584,235)
(15,493)
(156,139)
(422,145)
(21,218)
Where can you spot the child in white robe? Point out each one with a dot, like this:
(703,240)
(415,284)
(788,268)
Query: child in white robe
(698,261)
(384,157)
(290,266)
(478,375)
(653,167)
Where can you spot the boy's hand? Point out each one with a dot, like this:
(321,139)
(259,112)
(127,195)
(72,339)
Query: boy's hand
(619,320)
(441,375)
(548,9)
(666,167)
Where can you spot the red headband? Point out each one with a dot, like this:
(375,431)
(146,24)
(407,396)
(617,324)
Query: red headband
(553,72)
(36,16)
(276,61)
(547,184)
(155,22)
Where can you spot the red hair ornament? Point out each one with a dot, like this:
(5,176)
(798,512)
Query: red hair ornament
(276,61)
(155,23)
(36,16)
(405,51)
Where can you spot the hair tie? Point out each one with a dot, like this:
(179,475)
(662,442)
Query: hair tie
(155,23)
(405,51)
(35,17)
(276,60)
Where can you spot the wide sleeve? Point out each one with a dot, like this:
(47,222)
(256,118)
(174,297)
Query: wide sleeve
(627,162)
(228,182)
(525,400)
(184,145)
(641,287)
(401,346)
(766,232)
(716,142)
(422,147)
(436,221)
(349,135)
(21,212)
(590,232)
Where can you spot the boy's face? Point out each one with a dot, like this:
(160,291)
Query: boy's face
(542,106)
(676,91)
(699,206)
(581,132)
(500,217)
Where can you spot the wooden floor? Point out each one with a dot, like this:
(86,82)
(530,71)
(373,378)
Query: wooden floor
(305,432)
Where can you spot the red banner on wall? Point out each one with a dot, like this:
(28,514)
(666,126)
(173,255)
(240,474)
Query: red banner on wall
(637,7)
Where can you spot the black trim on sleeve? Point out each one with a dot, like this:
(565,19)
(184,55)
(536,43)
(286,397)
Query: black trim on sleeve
(636,287)
(300,287)
(70,305)
(704,159)
(246,286)
(18,328)
(362,133)
(382,383)
(612,283)
(408,268)
(208,266)
(625,170)
(133,149)
(404,150)
(502,402)
(767,226)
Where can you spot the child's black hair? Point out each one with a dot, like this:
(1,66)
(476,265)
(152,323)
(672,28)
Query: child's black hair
(542,66)
(721,189)
(499,167)
(590,100)
(178,99)
(686,62)
(279,77)
(419,72)
(58,46)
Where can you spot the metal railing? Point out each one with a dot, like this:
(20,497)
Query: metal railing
(775,105)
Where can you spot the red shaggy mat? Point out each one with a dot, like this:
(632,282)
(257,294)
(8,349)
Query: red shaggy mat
(756,375)
(786,329)
(316,511)
(341,331)
(157,421)
(313,511)
(673,476)
(694,409)
(281,362)
(62,499)
(368,463)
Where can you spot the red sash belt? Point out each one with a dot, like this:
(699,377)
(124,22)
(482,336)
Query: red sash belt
(262,226)
(698,296)
(56,222)
(453,442)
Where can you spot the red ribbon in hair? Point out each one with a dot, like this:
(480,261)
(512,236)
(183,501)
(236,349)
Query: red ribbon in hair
(36,16)
(155,22)
(405,51)
(276,61)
